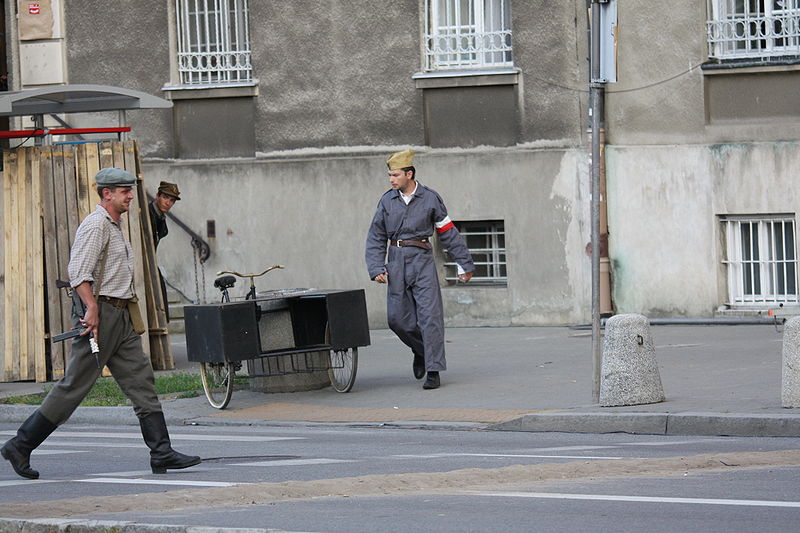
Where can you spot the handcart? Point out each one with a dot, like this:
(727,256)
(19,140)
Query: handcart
(297,323)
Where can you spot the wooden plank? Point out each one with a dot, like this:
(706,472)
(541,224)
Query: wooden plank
(135,235)
(11,344)
(26,258)
(88,183)
(36,277)
(66,217)
(160,345)
(54,324)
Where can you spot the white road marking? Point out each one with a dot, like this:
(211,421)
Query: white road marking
(638,499)
(91,444)
(39,451)
(139,473)
(187,483)
(670,443)
(571,448)
(13,482)
(520,456)
(173,436)
(294,462)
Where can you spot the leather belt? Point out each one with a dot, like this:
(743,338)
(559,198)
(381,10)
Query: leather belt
(116,302)
(423,242)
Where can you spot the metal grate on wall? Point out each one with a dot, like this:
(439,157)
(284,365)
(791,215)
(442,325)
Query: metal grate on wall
(213,42)
(467,34)
(761,260)
(486,241)
(753,28)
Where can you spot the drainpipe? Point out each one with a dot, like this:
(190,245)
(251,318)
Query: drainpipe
(606,307)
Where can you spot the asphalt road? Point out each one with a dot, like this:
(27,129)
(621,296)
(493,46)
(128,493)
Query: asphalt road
(339,478)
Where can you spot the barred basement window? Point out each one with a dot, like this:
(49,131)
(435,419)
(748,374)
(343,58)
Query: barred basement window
(761,259)
(467,34)
(486,241)
(213,42)
(753,28)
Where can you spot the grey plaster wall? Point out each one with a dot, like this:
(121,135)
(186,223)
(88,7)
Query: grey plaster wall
(311,214)
(551,51)
(124,46)
(664,97)
(340,78)
(664,204)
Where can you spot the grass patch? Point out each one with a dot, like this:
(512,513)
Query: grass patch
(106,392)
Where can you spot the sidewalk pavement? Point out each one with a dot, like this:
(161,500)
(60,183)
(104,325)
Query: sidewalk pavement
(718,380)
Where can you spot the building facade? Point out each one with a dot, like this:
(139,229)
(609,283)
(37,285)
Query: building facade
(283,115)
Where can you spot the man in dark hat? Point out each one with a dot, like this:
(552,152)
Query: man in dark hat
(166,197)
(101,274)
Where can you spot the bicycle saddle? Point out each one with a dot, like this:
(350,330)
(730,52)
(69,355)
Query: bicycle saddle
(224,282)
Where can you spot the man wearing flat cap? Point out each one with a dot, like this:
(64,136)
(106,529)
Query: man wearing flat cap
(101,274)
(407,217)
(166,197)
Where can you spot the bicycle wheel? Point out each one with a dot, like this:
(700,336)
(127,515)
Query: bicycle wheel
(342,369)
(218,383)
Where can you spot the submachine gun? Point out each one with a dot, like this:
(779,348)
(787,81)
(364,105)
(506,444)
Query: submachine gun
(79,309)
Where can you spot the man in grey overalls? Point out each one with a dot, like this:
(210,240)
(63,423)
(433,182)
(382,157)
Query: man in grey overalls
(101,273)
(406,217)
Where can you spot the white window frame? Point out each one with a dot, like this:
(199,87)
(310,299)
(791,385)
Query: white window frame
(213,40)
(467,34)
(761,270)
(753,28)
(493,252)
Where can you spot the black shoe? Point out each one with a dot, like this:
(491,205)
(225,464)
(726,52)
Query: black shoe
(419,366)
(162,456)
(432,382)
(30,435)
(20,461)
(173,461)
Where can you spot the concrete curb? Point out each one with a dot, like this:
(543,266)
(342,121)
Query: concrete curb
(686,423)
(51,525)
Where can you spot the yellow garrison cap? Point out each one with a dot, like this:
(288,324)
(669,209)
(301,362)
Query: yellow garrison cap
(400,160)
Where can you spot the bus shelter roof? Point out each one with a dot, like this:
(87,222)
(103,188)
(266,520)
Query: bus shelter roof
(76,99)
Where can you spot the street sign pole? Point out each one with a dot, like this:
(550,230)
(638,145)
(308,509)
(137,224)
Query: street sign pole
(596,87)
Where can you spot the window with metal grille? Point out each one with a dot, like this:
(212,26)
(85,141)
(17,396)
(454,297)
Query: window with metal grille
(213,42)
(467,34)
(486,241)
(761,259)
(753,28)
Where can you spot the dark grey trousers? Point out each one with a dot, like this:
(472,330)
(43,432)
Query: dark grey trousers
(120,350)
(414,304)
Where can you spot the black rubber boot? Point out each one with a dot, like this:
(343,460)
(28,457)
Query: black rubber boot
(30,435)
(162,456)
(418,366)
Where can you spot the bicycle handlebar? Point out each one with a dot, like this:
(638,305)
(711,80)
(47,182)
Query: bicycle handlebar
(251,276)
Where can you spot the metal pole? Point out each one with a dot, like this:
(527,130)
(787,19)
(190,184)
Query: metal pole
(596,93)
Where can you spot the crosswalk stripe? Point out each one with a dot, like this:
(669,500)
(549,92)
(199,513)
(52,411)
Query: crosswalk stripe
(13,482)
(637,499)
(295,462)
(186,483)
(513,456)
(173,436)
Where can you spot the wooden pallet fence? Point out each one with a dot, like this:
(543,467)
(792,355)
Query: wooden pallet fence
(24,345)
(47,192)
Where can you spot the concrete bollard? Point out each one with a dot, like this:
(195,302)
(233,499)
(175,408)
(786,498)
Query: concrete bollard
(790,369)
(629,372)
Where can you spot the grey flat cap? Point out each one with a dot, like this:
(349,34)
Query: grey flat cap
(115,177)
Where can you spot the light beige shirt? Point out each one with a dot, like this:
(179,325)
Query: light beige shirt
(95,232)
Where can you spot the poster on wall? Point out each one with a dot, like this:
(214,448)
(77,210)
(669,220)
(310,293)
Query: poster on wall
(35,19)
